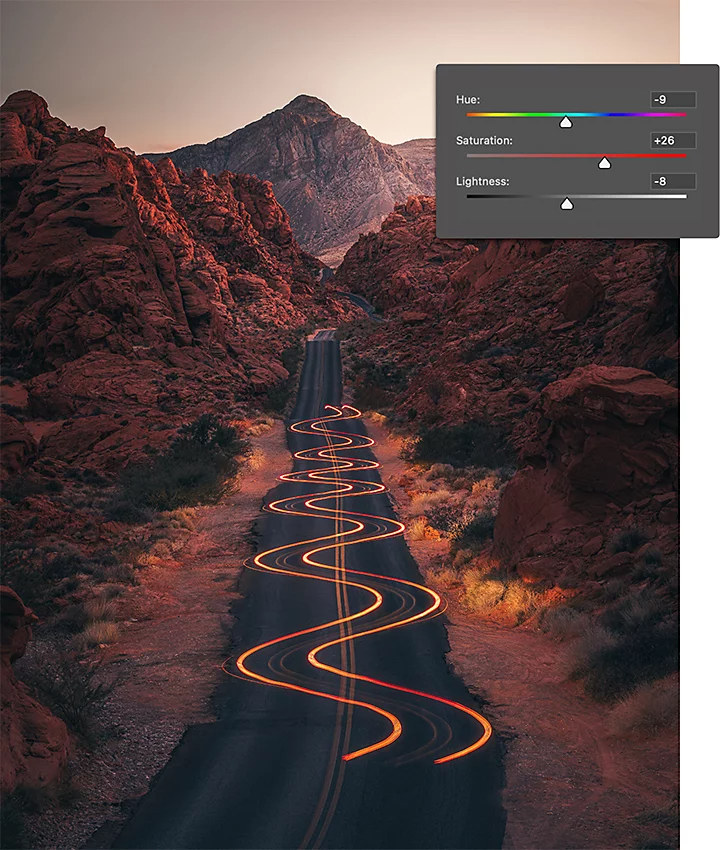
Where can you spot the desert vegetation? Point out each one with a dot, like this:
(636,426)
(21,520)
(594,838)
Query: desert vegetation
(193,469)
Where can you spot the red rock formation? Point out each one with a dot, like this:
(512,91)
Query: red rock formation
(16,444)
(504,317)
(33,742)
(607,439)
(484,330)
(119,275)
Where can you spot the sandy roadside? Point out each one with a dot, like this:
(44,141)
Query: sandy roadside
(569,783)
(173,639)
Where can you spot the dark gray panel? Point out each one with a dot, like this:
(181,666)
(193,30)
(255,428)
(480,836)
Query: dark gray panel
(507,177)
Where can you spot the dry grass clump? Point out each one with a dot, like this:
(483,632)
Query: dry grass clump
(485,590)
(521,601)
(423,502)
(440,470)
(98,634)
(184,518)
(481,594)
(594,640)
(374,416)
(100,608)
(562,622)
(112,591)
(442,577)
(462,558)
(651,708)
(260,426)
(416,529)
(256,460)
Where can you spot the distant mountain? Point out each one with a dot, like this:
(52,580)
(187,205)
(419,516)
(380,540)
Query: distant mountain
(420,153)
(334,179)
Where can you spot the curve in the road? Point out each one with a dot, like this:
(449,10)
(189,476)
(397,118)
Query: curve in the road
(351,528)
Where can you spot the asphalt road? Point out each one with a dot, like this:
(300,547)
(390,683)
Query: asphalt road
(307,751)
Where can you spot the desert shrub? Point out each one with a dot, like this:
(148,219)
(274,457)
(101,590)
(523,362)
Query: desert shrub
(629,540)
(462,558)
(496,351)
(481,594)
(651,708)
(470,444)
(73,690)
(100,608)
(635,640)
(416,529)
(486,589)
(614,589)
(97,633)
(476,531)
(278,396)
(653,557)
(663,367)
(193,469)
(447,517)
(521,601)
(292,356)
(424,502)
(36,573)
(112,591)
(440,470)
(20,487)
(633,611)
(562,622)
(377,384)
(441,577)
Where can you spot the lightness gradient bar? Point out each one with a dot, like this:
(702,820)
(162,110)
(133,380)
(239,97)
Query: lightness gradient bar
(583,197)
(576,155)
(576,114)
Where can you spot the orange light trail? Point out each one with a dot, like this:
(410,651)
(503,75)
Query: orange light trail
(354,525)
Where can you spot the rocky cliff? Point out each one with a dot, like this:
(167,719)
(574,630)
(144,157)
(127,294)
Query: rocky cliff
(136,289)
(335,180)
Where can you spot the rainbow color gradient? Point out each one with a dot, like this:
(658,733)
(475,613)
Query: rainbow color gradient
(576,114)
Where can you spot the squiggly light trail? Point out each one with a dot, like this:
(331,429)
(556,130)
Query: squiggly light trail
(270,560)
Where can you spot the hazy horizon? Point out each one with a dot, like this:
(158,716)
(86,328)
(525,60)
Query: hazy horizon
(162,75)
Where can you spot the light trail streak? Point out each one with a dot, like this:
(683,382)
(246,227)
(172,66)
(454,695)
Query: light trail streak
(349,531)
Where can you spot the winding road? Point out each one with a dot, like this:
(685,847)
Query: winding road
(340,725)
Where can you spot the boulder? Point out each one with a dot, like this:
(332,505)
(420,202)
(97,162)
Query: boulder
(34,744)
(608,437)
(17,444)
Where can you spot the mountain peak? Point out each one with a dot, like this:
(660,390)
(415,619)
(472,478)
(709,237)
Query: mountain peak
(313,107)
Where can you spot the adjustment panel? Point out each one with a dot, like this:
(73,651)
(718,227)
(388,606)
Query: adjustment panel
(577,151)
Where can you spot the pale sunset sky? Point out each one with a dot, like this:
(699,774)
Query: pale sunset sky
(160,74)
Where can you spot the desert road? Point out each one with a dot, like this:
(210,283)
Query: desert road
(339,723)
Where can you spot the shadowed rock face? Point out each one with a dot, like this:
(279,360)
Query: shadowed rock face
(607,440)
(34,742)
(334,179)
(117,272)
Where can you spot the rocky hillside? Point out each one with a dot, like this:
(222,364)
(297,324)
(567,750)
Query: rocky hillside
(335,180)
(420,153)
(570,348)
(135,290)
